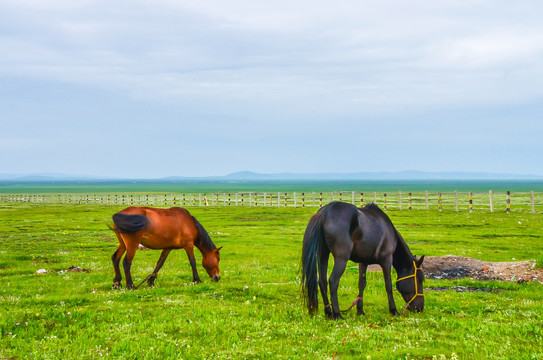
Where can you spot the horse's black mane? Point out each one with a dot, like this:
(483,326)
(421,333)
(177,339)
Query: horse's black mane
(376,210)
(203,239)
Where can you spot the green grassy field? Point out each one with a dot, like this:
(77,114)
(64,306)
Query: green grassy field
(256,310)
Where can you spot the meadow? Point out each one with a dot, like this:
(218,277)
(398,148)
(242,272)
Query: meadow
(256,310)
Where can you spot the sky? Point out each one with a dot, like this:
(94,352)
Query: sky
(149,89)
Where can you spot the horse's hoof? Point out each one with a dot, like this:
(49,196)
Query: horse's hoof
(131,287)
(338,317)
(151,282)
(197,281)
(360,312)
(116,285)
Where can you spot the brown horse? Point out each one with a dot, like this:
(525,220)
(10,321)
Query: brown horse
(166,229)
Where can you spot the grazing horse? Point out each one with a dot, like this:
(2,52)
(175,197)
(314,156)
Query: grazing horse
(365,236)
(166,229)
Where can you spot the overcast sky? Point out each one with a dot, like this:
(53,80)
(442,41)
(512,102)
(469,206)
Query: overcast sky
(195,88)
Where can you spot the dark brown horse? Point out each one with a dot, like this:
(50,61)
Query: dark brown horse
(365,236)
(166,229)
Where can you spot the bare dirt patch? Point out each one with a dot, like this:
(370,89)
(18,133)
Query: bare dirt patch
(455,267)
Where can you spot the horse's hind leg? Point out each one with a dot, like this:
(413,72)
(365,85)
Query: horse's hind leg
(323,283)
(116,259)
(361,286)
(161,260)
(131,241)
(339,267)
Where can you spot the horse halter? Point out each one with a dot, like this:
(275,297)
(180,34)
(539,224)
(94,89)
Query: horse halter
(416,284)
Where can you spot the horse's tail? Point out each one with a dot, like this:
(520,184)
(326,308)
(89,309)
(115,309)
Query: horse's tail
(313,241)
(203,237)
(125,223)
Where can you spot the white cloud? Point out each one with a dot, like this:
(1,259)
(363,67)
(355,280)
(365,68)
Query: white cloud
(292,59)
(502,47)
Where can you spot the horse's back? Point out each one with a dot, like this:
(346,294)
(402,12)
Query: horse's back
(364,235)
(166,228)
(340,217)
(379,235)
(339,224)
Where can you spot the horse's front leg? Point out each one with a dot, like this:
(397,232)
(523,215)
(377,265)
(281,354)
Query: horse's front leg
(190,253)
(361,286)
(388,285)
(161,260)
(323,282)
(337,271)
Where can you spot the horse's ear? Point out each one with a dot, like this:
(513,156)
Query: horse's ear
(419,261)
(218,248)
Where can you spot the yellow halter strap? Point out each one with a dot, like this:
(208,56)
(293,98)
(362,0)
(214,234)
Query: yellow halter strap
(416,284)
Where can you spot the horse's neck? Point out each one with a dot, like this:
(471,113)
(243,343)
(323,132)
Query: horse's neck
(201,247)
(402,259)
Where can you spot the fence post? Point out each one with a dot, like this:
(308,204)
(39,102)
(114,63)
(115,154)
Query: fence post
(470,202)
(320,200)
(229,199)
(426,198)
(340,196)
(410,198)
(361,199)
(303,199)
(439,201)
(508,202)
(490,195)
(285,199)
(385,202)
(532,201)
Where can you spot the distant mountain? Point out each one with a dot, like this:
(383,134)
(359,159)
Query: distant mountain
(400,175)
(253,176)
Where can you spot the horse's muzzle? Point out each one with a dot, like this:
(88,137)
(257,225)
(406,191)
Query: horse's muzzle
(416,308)
(215,278)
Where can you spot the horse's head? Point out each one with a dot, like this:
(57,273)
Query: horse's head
(409,285)
(210,262)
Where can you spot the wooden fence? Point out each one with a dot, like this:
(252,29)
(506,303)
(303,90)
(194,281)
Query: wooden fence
(409,201)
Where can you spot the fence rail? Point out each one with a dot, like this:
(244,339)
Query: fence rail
(409,201)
